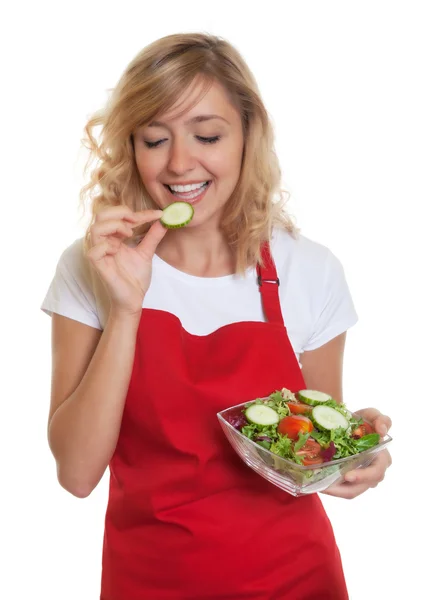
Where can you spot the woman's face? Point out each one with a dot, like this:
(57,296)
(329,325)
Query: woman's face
(200,149)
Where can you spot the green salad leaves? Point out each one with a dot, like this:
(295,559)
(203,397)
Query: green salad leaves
(334,443)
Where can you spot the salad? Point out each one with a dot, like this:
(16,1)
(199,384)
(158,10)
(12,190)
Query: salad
(307,428)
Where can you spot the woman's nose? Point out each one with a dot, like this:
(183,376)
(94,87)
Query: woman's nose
(181,158)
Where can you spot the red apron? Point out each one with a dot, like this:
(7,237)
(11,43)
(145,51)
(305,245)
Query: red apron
(186,518)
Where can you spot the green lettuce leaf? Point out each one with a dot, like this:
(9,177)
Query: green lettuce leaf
(284,446)
(301,441)
(367,441)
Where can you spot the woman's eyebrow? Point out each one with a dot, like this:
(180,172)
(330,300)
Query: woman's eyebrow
(197,119)
(201,118)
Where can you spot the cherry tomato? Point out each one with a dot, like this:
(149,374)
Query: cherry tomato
(362,430)
(298,408)
(293,425)
(317,460)
(310,452)
(310,448)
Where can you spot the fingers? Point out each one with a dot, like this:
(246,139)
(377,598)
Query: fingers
(374,473)
(117,228)
(344,490)
(370,414)
(118,222)
(106,247)
(124,212)
(381,423)
(147,216)
(356,482)
(360,480)
(348,491)
(147,246)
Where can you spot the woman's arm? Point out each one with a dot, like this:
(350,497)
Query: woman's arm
(323,370)
(91,371)
(90,377)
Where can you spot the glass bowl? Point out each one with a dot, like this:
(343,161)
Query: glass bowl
(297,480)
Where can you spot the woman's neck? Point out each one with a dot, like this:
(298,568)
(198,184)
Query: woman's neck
(197,251)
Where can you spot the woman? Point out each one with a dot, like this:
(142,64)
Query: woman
(155,331)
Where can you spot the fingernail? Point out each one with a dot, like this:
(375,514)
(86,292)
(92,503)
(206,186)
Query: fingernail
(383,430)
(350,477)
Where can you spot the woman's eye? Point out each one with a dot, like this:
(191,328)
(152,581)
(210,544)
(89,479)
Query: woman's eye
(153,144)
(208,140)
(203,140)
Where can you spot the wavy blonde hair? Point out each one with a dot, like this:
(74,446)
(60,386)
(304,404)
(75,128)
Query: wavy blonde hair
(152,83)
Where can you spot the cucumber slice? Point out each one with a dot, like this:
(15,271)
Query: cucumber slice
(261,415)
(177,215)
(326,417)
(313,397)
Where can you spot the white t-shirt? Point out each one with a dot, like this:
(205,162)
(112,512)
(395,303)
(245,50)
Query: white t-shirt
(315,298)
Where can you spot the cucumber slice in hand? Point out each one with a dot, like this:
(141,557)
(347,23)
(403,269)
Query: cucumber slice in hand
(177,215)
(313,397)
(327,418)
(261,415)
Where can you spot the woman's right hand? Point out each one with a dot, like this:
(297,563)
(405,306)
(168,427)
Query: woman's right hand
(125,271)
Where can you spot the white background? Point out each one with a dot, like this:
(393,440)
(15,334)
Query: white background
(343,84)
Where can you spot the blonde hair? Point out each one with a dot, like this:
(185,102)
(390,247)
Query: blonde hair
(152,83)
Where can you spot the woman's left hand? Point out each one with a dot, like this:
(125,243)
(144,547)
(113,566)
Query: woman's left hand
(360,480)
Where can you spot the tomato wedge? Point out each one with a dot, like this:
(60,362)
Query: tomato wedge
(298,408)
(316,460)
(293,425)
(310,452)
(362,430)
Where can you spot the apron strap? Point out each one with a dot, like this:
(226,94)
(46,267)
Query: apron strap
(269,283)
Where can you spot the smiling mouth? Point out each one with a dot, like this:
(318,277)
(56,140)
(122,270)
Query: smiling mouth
(191,195)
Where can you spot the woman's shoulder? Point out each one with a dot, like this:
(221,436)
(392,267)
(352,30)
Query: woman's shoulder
(300,250)
(72,291)
(73,264)
(316,296)
(72,257)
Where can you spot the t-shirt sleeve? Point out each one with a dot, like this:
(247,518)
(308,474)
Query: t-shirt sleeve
(335,312)
(70,293)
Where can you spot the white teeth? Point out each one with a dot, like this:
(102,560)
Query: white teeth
(189,195)
(187,188)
